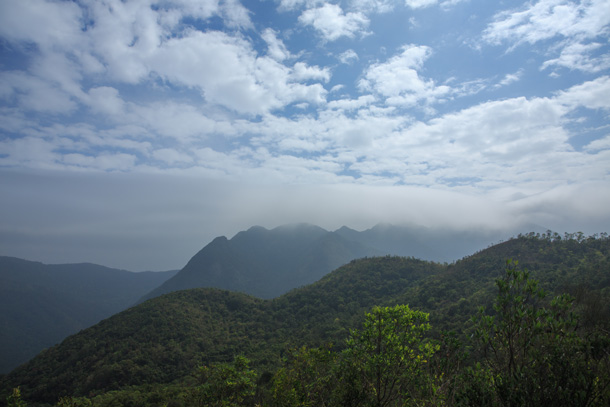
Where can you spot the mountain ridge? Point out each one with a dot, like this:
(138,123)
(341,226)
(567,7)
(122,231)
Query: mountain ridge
(164,339)
(44,303)
(269,262)
(265,262)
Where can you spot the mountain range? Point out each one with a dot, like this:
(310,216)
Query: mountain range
(45,303)
(268,263)
(162,341)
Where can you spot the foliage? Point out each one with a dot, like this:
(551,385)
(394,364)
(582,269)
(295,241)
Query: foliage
(14,400)
(384,362)
(533,354)
(308,378)
(226,384)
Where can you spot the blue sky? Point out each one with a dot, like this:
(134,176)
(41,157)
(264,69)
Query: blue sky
(133,132)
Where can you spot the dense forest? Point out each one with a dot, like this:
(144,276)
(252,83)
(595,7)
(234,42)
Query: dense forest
(524,322)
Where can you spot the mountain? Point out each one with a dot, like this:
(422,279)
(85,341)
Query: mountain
(439,245)
(268,263)
(42,304)
(163,340)
(49,302)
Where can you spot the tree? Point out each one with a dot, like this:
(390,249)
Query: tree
(532,354)
(226,384)
(308,378)
(73,402)
(384,362)
(14,400)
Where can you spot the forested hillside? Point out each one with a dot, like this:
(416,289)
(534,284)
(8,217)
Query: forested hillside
(42,304)
(153,351)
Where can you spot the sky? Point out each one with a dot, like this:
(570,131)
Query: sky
(134,132)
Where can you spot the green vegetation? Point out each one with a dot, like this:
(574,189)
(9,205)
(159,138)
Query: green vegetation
(534,354)
(476,332)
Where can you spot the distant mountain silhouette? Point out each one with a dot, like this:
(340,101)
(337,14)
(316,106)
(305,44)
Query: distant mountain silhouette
(268,263)
(42,304)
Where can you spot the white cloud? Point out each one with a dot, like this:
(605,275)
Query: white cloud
(286,5)
(181,122)
(376,6)
(28,152)
(592,94)
(510,78)
(574,23)
(546,19)
(348,57)
(46,24)
(302,72)
(228,72)
(235,14)
(351,104)
(577,56)
(104,162)
(106,100)
(275,47)
(130,41)
(399,81)
(332,23)
(171,156)
(420,3)
(34,94)
(202,9)
(598,145)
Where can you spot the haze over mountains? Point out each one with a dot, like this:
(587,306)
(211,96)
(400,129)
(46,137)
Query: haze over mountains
(45,303)
(268,263)
(42,304)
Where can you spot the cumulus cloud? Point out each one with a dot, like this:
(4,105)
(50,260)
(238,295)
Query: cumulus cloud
(235,14)
(420,3)
(131,43)
(348,56)
(275,47)
(546,19)
(592,94)
(302,72)
(399,81)
(575,23)
(333,23)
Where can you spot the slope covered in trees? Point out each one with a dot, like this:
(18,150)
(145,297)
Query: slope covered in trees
(42,304)
(158,345)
